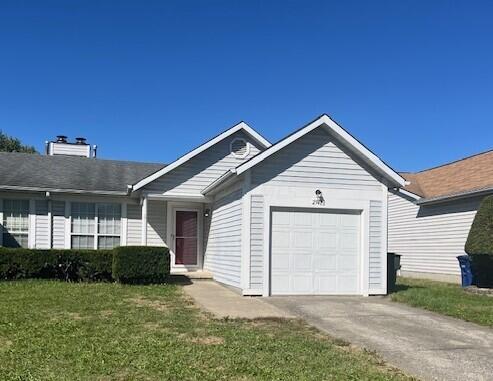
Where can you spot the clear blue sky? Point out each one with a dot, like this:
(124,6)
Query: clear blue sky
(149,80)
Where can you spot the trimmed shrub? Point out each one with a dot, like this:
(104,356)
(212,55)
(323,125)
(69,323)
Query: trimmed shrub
(96,265)
(479,244)
(141,264)
(21,263)
(69,265)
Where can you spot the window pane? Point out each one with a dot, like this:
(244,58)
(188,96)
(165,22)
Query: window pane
(109,219)
(83,217)
(82,242)
(15,240)
(15,223)
(108,242)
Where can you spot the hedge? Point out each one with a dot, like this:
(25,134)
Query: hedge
(479,244)
(141,264)
(86,265)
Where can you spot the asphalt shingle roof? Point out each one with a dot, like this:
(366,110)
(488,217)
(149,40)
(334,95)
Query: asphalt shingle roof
(71,172)
(470,174)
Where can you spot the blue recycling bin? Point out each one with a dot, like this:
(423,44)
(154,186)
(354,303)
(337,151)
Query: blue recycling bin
(465,269)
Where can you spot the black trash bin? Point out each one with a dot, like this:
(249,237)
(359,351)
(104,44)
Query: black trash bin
(393,264)
(465,270)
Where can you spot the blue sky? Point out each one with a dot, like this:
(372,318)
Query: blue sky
(149,80)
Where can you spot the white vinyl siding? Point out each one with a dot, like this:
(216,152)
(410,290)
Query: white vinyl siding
(376,245)
(200,171)
(429,238)
(134,225)
(223,251)
(42,225)
(58,224)
(257,242)
(156,223)
(314,160)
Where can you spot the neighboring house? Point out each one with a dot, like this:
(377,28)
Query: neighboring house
(430,218)
(306,215)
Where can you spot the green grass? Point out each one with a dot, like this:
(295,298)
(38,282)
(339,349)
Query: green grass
(52,330)
(445,298)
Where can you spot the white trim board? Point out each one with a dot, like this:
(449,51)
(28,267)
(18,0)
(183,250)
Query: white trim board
(240,126)
(341,133)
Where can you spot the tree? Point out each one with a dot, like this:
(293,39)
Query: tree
(11,144)
(479,244)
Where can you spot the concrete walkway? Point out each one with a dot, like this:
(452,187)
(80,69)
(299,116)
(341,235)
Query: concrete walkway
(223,302)
(421,343)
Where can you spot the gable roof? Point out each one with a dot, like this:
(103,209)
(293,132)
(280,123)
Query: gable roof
(324,120)
(469,175)
(240,126)
(74,174)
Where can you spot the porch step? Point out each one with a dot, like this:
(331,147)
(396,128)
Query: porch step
(197,275)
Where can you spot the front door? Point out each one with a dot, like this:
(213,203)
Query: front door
(186,238)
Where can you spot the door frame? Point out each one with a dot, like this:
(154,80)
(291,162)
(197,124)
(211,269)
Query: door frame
(172,208)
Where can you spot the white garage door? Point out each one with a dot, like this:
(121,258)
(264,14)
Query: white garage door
(315,252)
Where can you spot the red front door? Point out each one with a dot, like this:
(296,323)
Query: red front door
(186,234)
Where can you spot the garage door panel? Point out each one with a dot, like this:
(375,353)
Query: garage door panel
(280,239)
(281,283)
(281,219)
(347,220)
(328,219)
(314,252)
(326,240)
(302,239)
(347,283)
(326,284)
(302,283)
(301,262)
(325,263)
(281,262)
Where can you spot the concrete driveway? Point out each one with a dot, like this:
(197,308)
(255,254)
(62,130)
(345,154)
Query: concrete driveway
(421,343)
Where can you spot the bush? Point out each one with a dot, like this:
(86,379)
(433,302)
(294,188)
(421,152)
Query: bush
(479,244)
(69,265)
(21,263)
(141,264)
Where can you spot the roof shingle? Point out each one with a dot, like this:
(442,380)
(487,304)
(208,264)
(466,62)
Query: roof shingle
(461,176)
(71,172)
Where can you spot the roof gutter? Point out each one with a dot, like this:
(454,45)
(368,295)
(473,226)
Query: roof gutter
(217,183)
(61,190)
(436,200)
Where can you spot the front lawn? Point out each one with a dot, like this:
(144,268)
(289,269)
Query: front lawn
(52,330)
(445,298)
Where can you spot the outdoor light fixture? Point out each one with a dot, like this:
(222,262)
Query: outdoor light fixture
(319,198)
(207,213)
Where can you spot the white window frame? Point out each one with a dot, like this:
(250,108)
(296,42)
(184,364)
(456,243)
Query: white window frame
(247,146)
(96,233)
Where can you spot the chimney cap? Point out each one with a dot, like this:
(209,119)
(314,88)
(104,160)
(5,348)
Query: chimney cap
(81,141)
(61,139)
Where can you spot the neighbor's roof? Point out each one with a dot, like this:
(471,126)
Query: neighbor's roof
(22,171)
(465,176)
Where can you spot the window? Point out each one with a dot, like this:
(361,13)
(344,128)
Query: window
(240,148)
(16,223)
(86,217)
(109,225)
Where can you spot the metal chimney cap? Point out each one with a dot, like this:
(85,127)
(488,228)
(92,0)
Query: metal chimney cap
(61,139)
(81,141)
